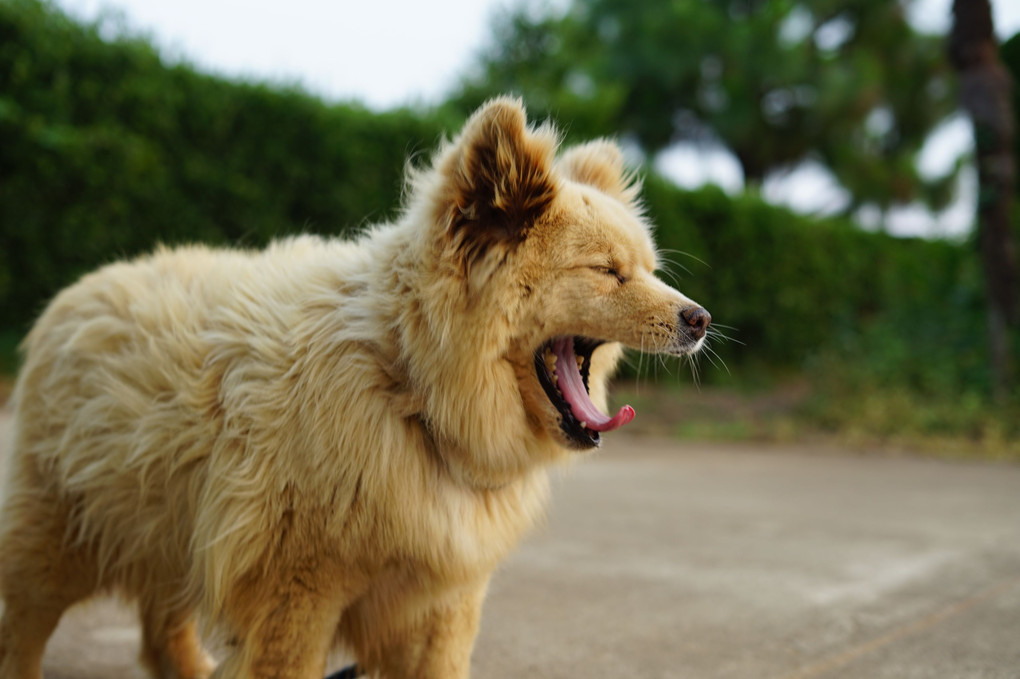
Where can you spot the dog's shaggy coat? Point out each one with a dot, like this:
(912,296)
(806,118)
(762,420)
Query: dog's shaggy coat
(329,442)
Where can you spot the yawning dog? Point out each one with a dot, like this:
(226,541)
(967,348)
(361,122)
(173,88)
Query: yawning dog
(331,442)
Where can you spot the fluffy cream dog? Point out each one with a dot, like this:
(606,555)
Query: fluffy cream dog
(331,442)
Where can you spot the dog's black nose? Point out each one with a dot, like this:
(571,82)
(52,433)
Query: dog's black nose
(698,319)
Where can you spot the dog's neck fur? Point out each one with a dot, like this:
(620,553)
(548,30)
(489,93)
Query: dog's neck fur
(454,383)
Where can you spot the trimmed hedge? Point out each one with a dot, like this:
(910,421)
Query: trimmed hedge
(105,150)
(796,288)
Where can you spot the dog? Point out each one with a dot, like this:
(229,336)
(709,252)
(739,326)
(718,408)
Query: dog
(331,443)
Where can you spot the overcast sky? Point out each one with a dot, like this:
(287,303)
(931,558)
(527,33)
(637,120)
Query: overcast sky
(390,52)
(382,52)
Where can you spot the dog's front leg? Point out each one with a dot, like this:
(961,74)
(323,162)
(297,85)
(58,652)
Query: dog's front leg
(282,630)
(437,645)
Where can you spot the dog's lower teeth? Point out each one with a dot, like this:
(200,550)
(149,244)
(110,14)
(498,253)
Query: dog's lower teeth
(584,425)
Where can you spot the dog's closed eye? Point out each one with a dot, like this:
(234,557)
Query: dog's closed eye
(611,271)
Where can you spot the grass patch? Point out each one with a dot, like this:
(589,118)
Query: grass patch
(716,413)
(886,421)
(966,425)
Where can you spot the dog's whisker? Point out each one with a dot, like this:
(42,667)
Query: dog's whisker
(719,332)
(665,365)
(685,254)
(711,355)
(715,334)
(674,277)
(639,358)
(670,266)
(695,371)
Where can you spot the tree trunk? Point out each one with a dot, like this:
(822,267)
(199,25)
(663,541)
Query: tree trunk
(985,90)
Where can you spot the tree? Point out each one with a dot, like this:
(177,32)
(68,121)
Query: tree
(849,84)
(1010,54)
(985,93)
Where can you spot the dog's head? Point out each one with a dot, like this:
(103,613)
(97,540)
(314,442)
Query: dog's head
(555,266)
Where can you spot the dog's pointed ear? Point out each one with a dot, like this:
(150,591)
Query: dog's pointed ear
(499,178)
(600,164)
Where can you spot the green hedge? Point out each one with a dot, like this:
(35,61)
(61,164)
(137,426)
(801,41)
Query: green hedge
(105,150)
(796,289)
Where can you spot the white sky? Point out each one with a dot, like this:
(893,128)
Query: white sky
(381,52)
(390,52)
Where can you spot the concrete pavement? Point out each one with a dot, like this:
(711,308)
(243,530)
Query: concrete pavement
(666,560)
(713,562)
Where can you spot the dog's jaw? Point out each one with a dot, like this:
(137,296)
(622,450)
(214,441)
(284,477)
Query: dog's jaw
(562,367)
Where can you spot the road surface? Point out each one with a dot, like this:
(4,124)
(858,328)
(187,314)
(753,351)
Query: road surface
(686,561)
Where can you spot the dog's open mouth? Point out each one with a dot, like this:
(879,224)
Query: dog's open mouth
(563,365)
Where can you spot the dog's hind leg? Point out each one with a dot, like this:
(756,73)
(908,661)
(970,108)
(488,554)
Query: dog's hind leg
(170,645)
(41,575)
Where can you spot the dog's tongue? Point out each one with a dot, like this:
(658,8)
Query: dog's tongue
(572,387)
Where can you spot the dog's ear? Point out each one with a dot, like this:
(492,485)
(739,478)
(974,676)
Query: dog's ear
(600,164)
(499,178)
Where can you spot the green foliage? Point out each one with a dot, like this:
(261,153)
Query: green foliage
(1010,54)
(105,151)
(848,83)
(823,296)
(889,333)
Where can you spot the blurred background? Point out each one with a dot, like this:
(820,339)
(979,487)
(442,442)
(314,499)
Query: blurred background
(834,180)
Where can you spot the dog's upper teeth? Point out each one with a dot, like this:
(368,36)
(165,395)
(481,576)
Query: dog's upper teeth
(550,362)
(550,366)
(580,362)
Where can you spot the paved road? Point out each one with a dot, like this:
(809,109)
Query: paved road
(663,560)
